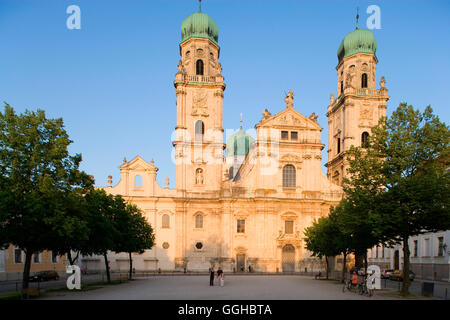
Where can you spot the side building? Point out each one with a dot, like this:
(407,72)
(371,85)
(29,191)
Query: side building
(12,261)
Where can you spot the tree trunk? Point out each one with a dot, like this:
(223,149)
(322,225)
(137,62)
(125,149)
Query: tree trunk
(76,257)
(359,260)
(326,260)
(108,277)
(344,267)
(365,262)
(26,269)
(131,265)
(405,286)
(69,256)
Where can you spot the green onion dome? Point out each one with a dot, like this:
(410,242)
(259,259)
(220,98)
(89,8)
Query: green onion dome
(199,25)
(239,144)
(359,40)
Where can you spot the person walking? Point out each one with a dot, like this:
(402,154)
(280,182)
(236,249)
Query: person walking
(211,276)
(220,276)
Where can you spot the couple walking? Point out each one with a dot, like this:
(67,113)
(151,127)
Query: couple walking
(220,276)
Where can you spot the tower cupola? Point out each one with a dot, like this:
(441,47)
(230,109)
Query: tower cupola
(357,41)
(199,25)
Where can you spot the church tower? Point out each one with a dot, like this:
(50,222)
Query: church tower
(199,88)
(358,105)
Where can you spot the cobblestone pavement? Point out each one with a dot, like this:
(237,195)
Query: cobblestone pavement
(236,287)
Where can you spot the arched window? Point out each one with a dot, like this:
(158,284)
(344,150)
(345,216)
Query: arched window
(364,138)
(138,182)
(289,176)
(165,221)
(199,221)
(199,67)
(199,130)
(342,86)
(364,80)
(230,173)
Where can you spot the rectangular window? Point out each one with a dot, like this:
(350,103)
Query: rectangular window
(36,258)
(376,252)
(284,135)
(54,257)
(289,227)
(241,226)
(382,251)
(294,135)
(338,145)
(415,248)
(440,246)
(17,255)
(426,248)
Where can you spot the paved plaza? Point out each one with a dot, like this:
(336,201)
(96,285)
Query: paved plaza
(253,287)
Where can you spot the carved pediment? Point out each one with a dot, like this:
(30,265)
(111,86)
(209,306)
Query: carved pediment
(290,118)
(138,164)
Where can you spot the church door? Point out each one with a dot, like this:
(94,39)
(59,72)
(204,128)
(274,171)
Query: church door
(288,258)
(240,262)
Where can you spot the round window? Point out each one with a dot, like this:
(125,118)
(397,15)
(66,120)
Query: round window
(165,245)
(199,245)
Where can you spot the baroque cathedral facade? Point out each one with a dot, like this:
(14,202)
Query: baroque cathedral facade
(246,203)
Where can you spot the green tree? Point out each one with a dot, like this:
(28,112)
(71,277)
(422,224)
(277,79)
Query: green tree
(74,232)
(323,239)
(344,240)
(36,176)
(134,232)
(101,214)
(401,176)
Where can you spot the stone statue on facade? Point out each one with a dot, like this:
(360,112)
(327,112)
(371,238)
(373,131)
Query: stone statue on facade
(199,176)
(332,99)
(181,68)
(348,80)
(313,117)
(289,99)
(266,114)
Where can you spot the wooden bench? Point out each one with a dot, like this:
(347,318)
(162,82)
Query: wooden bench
(30,291)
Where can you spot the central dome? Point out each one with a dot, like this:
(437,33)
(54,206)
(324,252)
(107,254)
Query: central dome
(239,144)
(199,25)
(359,40)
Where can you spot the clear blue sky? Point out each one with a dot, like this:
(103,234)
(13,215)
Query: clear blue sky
(112,81)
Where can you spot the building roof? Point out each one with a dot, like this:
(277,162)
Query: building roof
(199,25)
(357,41)
(239,144)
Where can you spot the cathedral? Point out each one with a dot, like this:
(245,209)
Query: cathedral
(244,204)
